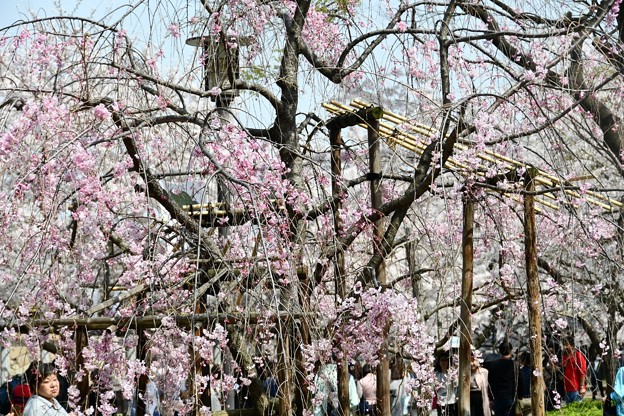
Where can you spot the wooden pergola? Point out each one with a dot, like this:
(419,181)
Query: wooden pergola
(537,186)
(398,130)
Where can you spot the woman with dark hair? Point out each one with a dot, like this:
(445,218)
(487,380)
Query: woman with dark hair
(446,387)
(524,385)
(398,382)
(44,386)
(479,390)
(367,391)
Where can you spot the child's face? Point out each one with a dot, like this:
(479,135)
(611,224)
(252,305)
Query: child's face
(48,387)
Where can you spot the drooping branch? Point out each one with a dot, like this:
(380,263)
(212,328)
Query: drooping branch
(155,191)
(337,72)
(609,123)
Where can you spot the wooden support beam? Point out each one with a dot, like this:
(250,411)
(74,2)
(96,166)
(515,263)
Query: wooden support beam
(335,140)
(82,341)
(533,296)
(465,328)
(215,214)
(399,130)
(141,399)
(284,374)
(374,163)
(154,321)
(366,115)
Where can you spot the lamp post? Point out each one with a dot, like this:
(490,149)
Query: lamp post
(221,70)
(221,65)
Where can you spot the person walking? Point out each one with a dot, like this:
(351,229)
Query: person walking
(617,395)
(479,390)
(574,368)
(446,391)
(326,383)
(503,379)
(523,404)
(398,382)
(367,391)
(596,371)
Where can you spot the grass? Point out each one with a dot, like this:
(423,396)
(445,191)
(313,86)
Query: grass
(583,408)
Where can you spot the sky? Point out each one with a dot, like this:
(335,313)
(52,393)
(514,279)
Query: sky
(14,10)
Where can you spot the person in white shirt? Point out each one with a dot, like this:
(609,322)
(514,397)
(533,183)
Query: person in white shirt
(152,404)
(44,386)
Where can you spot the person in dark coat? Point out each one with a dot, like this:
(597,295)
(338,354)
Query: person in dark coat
(503,381)
(524,385)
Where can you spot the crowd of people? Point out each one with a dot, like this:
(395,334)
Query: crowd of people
(499,386)
(362,389)
(502,386)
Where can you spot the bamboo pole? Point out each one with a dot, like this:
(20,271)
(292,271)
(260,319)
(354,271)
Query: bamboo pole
(411,142)
(465,330)
(533,295)
(542,177)
(153,321)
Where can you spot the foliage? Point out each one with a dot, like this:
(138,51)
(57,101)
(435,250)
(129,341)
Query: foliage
(585,407)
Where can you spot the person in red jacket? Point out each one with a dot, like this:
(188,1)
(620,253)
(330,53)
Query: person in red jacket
(574,368)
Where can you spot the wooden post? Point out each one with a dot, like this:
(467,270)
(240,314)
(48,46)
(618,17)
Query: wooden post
(223,194)
(142,382)
(411,270)
(283,373)
(301,401)
(374,154)
(533,294)
(335,140)
(374,161)
(82,341)
(465,330)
